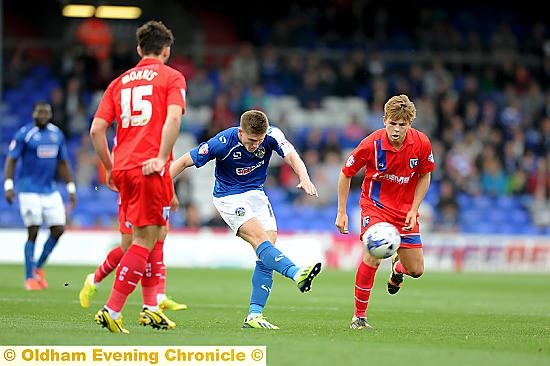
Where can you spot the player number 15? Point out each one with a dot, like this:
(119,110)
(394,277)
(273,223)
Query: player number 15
(131,101)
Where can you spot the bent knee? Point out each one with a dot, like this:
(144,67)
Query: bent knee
(416,272)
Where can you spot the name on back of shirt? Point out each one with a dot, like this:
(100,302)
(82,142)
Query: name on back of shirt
(142,74)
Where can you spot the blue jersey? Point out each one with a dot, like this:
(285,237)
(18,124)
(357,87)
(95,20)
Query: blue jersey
(237,169)
(39,150)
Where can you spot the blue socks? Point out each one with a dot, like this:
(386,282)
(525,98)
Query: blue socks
(262,280)
(29,259)
(273,259)
(48,247)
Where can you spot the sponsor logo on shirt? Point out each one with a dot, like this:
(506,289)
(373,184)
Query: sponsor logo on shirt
(47,151)
(413,162)
(350,161)
(431,157)
(395,178)
(247,170)
(203,149)
(222,139)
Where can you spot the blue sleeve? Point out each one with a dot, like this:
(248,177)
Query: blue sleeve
(209,150)
(17,144)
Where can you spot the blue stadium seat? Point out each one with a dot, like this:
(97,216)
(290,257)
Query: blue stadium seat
(519,217)
(464,200)
(506,202)
(10,218)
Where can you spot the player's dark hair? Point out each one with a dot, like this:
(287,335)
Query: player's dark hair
(40,103)
(254,122)
(153,36)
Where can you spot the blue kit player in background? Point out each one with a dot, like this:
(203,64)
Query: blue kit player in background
(242,156)
(41,148)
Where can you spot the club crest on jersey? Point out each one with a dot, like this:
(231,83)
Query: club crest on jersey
(203,149)
(350,161)
(413,162)
(366,220)
(240,211)
(431,158)
(260,152)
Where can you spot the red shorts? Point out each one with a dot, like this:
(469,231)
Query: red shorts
(144,199)
(409,239)
(124,226)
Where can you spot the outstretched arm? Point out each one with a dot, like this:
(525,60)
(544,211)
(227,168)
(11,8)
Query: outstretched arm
(182,163)
(297,164)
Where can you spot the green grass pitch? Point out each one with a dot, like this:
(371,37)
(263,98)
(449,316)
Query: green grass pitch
(440,319)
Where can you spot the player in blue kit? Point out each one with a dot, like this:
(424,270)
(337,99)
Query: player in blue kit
(242,156)
(41,148)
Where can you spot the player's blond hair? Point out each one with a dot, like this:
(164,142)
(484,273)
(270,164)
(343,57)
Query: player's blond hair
(399,108)
(254,122)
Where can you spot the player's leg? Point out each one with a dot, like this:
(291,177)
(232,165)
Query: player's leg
(364,282)
(31,282)
(407,261)
(143,198)
(151,313)
(364,277)
(31,213)
(49,245)
(262,281)
(252,232)
(110,263)
(55,217)
(164,302)
(243,213)
(115,255)
(92,280)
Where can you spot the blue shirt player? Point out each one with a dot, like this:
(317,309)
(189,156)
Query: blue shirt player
(242,156)
(40,147)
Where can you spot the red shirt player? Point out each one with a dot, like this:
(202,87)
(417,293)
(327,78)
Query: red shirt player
(147,102)
(398,163)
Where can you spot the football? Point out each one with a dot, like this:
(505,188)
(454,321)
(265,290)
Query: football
(382,240)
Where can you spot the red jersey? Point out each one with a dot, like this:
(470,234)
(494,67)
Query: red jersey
(138,100)
(391,175)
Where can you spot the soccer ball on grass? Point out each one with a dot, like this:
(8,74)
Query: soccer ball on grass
(382,240)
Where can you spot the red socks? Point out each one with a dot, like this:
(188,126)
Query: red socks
(110,263)
(150,279)
(364,280)
(129,273)
(400,269)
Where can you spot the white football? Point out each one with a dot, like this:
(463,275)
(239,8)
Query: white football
(382,240)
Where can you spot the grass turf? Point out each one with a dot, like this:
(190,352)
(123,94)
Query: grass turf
(442,318)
